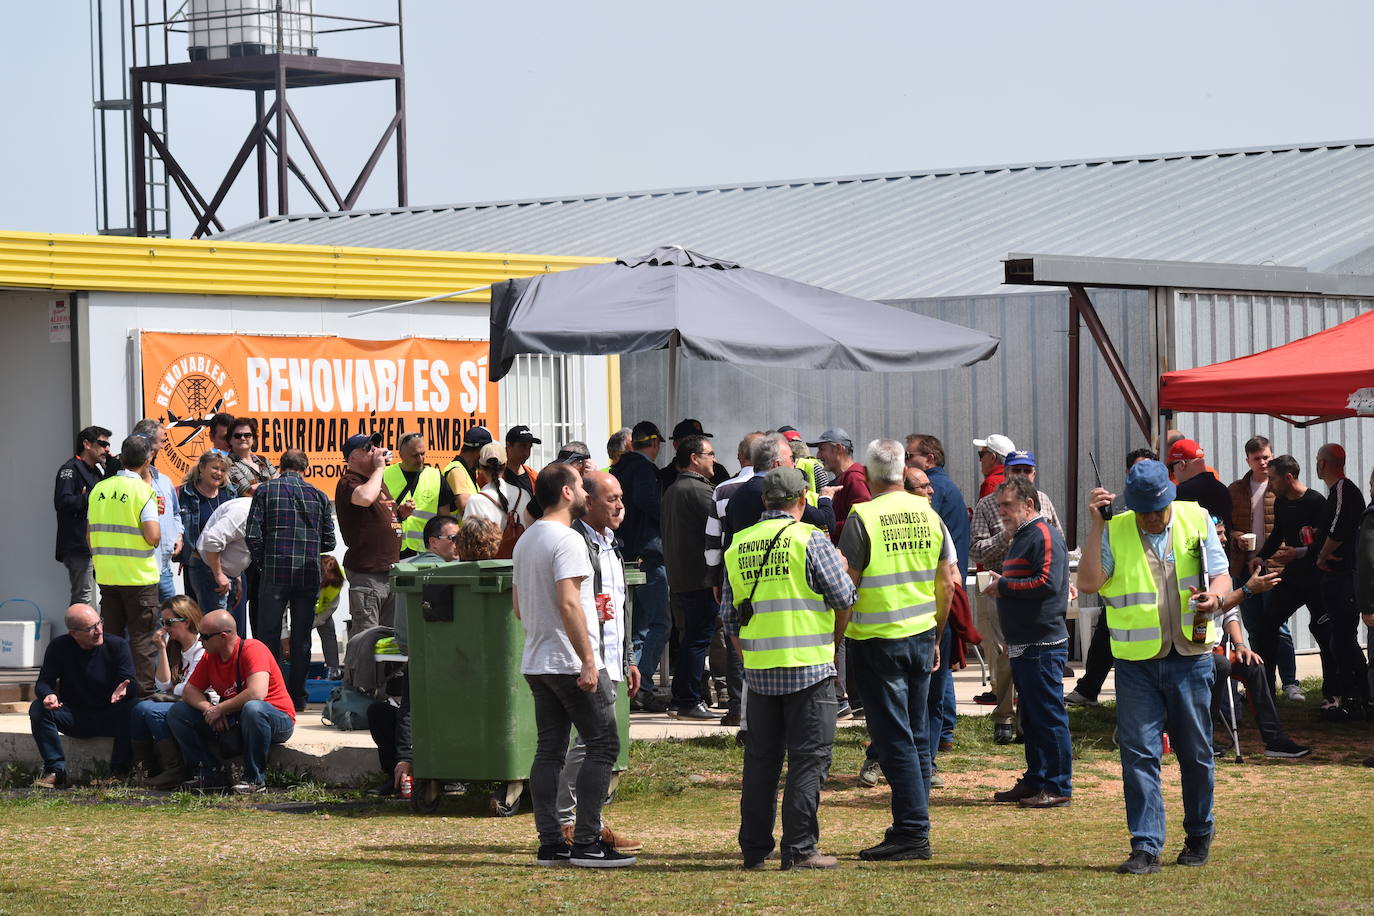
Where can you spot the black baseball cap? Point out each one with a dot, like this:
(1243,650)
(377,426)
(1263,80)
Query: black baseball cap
(476,437)
(687,428)
(645,432)
(522,434)
(571,456)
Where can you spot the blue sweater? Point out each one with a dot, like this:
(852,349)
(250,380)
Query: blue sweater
(949,504)
(85,678)
(639,531)
(1034,589)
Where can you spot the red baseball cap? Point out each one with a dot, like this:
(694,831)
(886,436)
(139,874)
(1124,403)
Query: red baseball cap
(1185,450)
(791,435)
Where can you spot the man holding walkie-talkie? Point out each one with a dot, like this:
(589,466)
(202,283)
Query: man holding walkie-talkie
(1160,569)
(785,604)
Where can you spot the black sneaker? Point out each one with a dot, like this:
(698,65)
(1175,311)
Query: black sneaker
(698,712)
(1287,748)
(1195,850)
(556,855)
(1003,734)
(599,855)
(730,720)
(843,711)
(897,849)
(1139,863)
(213,781)
(986,699)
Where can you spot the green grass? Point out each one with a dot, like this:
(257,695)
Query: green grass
(1292,837)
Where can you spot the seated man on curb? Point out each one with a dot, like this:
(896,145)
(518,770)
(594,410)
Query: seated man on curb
(84,690)
(253,702)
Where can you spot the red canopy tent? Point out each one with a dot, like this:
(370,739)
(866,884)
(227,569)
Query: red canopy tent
(1327,376)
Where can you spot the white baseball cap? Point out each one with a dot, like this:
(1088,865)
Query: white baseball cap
(998,444)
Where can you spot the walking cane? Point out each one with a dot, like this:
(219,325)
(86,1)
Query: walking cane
(1233,723)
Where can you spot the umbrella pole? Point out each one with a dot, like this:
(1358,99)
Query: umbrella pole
(672,378)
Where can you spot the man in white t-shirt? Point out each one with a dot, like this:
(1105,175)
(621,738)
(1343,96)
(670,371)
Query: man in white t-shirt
(605,511)
(554,597)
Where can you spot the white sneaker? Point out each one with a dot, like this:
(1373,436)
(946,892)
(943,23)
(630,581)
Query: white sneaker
(1074,698)
(1294,693)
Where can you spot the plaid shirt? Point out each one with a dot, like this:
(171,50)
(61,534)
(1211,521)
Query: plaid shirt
(290,523)
(826,575)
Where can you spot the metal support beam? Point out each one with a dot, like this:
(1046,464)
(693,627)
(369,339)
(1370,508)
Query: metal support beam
(140,163)
(314,157)
(1115,366)
(1071,465)
(249,142)
(366,173)
(300,174)
(199,208)
(283,200)
(260,109)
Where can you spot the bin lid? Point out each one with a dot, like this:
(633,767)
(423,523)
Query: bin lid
(413,577)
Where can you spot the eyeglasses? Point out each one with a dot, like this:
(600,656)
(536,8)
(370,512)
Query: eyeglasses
(90,629)
(172,621)
(983,453)
(408,437)
(103,443)
(450,537)
(706,454)
(243,435)
(206,637)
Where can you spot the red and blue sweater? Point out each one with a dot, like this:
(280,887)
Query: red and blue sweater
(1034,589)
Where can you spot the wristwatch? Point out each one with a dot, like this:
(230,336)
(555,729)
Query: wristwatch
(1245,590)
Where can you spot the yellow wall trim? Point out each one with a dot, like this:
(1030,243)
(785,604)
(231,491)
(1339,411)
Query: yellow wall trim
(120,263)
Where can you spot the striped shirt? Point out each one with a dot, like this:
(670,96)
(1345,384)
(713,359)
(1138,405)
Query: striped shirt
(715,533)
(825,574)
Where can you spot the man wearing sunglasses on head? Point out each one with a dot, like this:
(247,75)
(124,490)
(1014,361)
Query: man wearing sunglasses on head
(85,689)
(253,703)
(75,479)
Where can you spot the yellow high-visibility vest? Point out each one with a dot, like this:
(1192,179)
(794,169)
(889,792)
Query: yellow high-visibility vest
(426,496)
(1134,620)
(791,627)
(122,556)
(897,588)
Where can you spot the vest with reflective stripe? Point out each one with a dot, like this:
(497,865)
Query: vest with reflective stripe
(121,555)
(897,589)
(1134,619)
(791,627)
(426,496)
(808,468)
(458,463)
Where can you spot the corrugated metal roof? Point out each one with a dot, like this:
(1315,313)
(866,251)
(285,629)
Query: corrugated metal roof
(933,233)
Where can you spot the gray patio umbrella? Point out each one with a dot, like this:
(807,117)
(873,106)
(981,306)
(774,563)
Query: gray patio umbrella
(709,308)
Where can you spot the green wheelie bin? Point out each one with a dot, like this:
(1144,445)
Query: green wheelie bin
(472,715)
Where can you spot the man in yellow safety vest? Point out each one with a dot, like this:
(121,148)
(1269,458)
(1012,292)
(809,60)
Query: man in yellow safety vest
(785,604)
(903,561)
(1161,572)
(420,493)
(461,473)
(123,530)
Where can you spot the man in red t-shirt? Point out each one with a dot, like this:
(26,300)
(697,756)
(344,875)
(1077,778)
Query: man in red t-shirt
(252,700)
(992,451)
(836,451)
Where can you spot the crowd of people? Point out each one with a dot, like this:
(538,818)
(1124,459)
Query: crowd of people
(816,584)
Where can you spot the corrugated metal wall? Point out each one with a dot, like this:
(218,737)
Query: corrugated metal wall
(1211,327)
(1021,391)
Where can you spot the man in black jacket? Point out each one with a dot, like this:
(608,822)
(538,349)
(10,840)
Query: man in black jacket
(638,475)
(686,505)
(74,482)
(85,689)
(1032,595)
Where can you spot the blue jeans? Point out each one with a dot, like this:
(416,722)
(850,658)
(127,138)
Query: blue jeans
(48,726)
(694,642)
(260,724)
(940,702)
(166,586)
(893,677)
(1284,657)
(1038,674)
(149,721)
(1170,694)
(651,621)
(273,601)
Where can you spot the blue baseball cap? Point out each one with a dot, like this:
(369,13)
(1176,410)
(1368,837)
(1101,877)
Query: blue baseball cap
(1021,457)
(1148,487)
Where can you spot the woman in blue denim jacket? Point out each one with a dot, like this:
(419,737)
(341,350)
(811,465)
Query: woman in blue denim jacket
(206,489)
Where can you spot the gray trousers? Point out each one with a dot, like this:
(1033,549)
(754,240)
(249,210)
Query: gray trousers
(81,574)
(800,725)
(567,780)
(370,602)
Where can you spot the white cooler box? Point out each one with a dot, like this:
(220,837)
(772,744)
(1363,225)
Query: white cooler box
(22,643)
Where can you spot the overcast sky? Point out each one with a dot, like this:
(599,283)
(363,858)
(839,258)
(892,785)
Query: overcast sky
(542,98)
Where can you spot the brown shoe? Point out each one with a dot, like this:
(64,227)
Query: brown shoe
(1046,799)
(609,837)
(817,859)
(57,779)
(1016,793)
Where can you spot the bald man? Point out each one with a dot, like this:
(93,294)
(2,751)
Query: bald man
(253,703)
(84,689)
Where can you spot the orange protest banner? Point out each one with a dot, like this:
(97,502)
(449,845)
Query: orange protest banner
(312,393)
